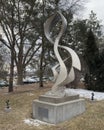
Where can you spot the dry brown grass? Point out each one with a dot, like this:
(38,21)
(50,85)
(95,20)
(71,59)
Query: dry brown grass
(21,103)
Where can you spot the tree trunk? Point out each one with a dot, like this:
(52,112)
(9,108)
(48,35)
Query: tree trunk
(41,63)
(10,89)
(20,66)
(20,74)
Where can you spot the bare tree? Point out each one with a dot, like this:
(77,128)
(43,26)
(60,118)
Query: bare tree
(17,19)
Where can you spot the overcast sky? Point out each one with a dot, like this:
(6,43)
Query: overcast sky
(97,6)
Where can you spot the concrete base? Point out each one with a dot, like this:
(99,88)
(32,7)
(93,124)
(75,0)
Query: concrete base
(7,109)
(49,110)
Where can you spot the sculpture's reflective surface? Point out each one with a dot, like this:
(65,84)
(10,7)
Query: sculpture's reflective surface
(63,76)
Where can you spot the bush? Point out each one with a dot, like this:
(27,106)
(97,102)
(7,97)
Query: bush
(94,82)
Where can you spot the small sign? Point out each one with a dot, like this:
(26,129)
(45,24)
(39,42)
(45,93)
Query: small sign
(43,112)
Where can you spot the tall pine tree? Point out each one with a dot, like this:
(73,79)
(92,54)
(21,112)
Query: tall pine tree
(91,52)
(93,79)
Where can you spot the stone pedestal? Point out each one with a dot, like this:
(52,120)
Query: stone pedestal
(57,109)
(7,109)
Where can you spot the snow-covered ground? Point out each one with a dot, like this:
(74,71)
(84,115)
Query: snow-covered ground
(86,93)
(35,122)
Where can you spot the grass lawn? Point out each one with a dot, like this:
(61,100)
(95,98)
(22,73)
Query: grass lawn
(21,103)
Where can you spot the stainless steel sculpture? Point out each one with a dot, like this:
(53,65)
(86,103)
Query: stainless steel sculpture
(64,76)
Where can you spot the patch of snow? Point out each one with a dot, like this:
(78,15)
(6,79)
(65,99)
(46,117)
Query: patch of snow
(86,93)
(35,122)
(30,94)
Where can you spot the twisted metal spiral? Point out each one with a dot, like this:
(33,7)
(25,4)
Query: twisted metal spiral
(62,77)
